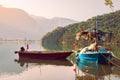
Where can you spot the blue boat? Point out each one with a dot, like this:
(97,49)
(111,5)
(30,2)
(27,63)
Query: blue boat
(101,56)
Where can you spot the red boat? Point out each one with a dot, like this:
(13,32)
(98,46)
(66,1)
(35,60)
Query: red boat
(44,54)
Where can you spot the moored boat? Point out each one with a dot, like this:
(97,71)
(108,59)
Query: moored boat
(44,54)
(101,55)
(98,57)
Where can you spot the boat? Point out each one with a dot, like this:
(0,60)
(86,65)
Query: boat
(101,56)
(44,54)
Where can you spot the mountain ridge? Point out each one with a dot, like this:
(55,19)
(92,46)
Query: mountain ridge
(16,23)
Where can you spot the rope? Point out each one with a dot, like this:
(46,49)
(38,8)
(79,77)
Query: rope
(116,57)
(105,72)
(111,61)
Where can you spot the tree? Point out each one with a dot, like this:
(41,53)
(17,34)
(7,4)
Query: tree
(109,3)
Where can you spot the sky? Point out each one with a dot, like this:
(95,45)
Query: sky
(79,10)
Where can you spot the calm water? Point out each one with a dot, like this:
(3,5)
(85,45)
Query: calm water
(14,68)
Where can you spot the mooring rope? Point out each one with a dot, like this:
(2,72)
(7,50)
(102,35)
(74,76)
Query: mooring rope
(111,61)
(105,73)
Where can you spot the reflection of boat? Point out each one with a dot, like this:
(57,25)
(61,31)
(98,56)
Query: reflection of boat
(22,61)
(94,69)
(84,64)
(86,77)
(44,54)
(85,70)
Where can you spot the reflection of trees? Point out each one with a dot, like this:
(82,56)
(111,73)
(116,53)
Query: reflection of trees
(116,71)
(86,77)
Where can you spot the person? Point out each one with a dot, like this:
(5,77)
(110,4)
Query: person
(84,50)
(77,36)
(94,35)
(110,35)
(22,49)
(81,29)
(81,32)
(93,47)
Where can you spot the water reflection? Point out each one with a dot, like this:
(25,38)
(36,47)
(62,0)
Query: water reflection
(23,61)
(85,70)
(14,68)
(38,69)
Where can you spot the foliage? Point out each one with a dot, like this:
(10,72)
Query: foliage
(52,40)
(109,3)
(62,38)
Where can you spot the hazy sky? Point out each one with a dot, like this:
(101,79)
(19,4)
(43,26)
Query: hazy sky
(74,9)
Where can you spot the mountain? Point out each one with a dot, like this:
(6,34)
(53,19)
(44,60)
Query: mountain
(47,25)
(16,23)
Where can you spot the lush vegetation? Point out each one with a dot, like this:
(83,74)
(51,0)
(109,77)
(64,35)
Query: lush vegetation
(63,38)
(52,40)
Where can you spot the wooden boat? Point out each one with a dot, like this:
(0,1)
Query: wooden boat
(101,56)
(44,54)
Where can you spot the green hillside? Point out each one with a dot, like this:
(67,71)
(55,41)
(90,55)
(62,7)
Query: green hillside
(62,38)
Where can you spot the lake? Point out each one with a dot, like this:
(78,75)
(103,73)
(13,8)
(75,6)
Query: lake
(14,68)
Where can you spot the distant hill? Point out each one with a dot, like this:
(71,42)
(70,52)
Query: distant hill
(47,25)
(16,23)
